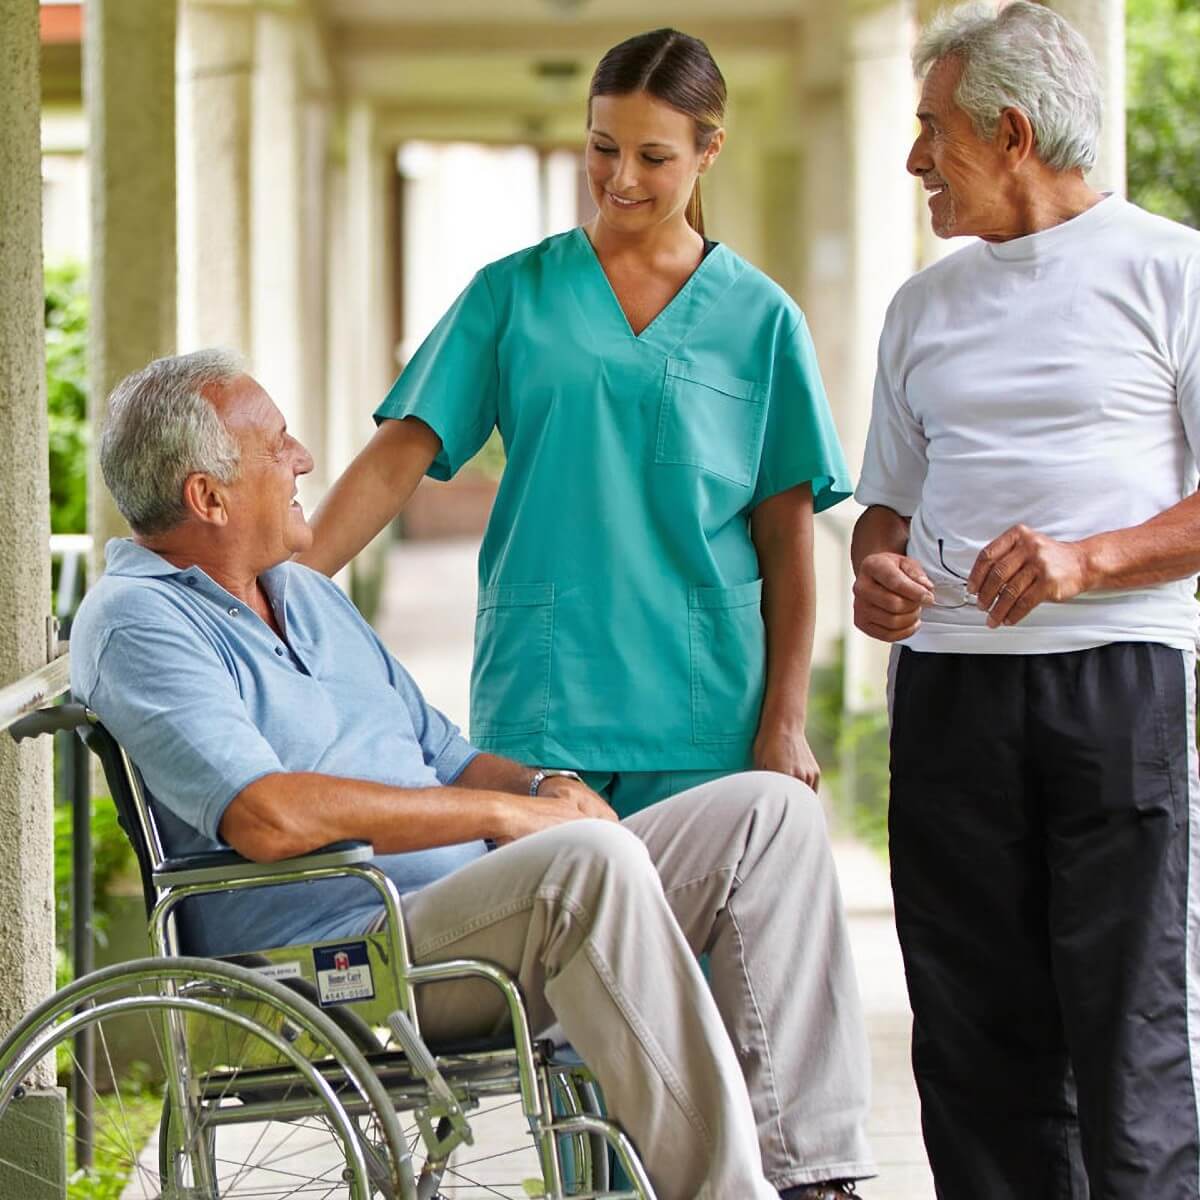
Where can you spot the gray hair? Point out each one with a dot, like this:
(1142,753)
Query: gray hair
(1025,57)
(160,429)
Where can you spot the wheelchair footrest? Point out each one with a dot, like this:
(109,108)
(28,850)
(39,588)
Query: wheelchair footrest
(426,1066)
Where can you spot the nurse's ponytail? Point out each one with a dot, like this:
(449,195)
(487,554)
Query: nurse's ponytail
(695,210)
(678,70)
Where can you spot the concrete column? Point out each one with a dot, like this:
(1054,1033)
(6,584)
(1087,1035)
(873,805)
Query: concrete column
(129,89)
(367,284)
(216,59)
(881,94)
(821,233)
(313,333)
(26,826)
(1102,22)
(276,225)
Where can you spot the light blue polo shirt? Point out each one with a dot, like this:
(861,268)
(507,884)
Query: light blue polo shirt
(206,699)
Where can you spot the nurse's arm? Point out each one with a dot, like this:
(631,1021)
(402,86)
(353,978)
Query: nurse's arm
(370,492)
(288,813)
(782,530)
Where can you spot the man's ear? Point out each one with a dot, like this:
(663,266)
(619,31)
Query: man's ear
(1015,137)
(204,498)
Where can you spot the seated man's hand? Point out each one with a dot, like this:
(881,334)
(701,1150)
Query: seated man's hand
(559,799)
(889,593)
(591,804)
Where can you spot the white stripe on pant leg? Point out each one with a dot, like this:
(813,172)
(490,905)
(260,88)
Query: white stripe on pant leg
(1192,967)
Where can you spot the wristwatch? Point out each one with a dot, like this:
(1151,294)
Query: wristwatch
(543,773)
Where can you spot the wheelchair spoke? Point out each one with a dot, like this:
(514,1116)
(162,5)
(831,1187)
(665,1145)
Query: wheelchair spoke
(116,1133)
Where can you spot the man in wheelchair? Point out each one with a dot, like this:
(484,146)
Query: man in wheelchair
(266,716)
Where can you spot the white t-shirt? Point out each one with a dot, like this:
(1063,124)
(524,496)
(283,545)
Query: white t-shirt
(1052,380)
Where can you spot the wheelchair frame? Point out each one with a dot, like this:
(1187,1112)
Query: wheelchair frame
(439,1085)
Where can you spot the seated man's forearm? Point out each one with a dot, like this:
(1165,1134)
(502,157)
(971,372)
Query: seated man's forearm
(492,773)
(290,813)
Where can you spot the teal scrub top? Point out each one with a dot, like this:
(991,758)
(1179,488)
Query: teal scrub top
(619,623)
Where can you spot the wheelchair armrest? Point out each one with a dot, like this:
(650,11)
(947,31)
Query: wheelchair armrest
(220,866)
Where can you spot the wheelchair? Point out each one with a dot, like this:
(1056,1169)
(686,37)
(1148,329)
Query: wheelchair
(300,1071)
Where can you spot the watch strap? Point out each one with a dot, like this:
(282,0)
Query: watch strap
(543,773)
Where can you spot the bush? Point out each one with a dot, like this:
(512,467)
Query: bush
(852,749)
(66,396)
(1162,99)
(112,856)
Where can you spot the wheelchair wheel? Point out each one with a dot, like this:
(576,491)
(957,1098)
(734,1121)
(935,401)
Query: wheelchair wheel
(253,1091)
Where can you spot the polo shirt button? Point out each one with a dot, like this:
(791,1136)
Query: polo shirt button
(279,651)
(190,580)
(233,612)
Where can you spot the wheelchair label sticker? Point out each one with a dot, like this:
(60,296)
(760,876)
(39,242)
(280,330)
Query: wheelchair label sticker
(281,970)
(343,973)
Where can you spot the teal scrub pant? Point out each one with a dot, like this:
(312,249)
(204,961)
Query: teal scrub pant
(631,791)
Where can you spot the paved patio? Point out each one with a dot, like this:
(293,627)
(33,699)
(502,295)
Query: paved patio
(428,620)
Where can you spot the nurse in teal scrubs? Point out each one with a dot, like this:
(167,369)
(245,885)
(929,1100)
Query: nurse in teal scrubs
(646,584)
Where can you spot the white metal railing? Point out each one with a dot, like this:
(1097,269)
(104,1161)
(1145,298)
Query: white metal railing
(47,683)
(35,690)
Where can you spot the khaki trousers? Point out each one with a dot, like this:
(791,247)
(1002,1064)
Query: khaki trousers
(765,1077)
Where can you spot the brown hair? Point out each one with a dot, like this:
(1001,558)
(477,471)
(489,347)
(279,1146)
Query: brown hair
(676,69)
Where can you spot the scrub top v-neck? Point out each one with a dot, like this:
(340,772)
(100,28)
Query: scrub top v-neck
(619,625)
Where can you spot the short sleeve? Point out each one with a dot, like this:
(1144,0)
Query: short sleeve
(166,696)
(452,382)
(443,747)
(894,461)
(800,444)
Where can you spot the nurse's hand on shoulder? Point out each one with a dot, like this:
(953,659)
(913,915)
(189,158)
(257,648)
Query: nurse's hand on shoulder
(889,592)
(786,751)
(558,800)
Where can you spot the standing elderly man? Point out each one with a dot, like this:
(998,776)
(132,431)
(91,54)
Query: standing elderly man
(1032,537)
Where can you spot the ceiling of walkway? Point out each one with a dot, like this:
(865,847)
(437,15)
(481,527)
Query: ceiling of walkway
(528,61)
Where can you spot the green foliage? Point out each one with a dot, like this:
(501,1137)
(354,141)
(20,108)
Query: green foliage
(1162,103)
(852,749)
(66,396)
(112,856)
(490,460)
(122,1123)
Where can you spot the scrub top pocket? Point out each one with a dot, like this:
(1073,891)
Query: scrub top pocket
(510,681)
(728,660)
(711,421)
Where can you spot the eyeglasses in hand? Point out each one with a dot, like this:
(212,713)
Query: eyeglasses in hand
(952,593)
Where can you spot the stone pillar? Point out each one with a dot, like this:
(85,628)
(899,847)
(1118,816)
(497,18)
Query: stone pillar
(367,283)
(1102,22)
(821,235)
(26,826)
(216,61)
(881,100)
(277,230)
(129,90)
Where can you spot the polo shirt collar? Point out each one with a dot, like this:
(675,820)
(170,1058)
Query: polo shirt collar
(125,557)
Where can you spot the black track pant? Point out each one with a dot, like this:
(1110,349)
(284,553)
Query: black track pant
(1040,826)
